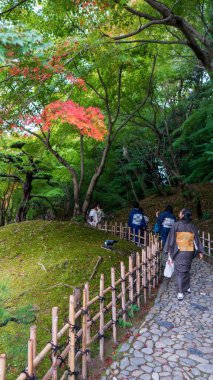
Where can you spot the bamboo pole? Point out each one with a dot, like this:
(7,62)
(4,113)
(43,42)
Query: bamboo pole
(3,359)
(209,244)
(121,231)
(54,342)
(30,358)
(114,317)
(131,290)
(33,334)
(101,330)
(71,358)
(84,336)
(138,278)
(144,275)
(203,238)
(88,324)
(149,270)
(123,290)
(129,233)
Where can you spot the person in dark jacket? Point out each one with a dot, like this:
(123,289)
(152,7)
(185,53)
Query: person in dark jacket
(165,221)
(136,221)
(182,244)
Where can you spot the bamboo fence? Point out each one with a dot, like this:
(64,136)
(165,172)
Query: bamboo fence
(132,286)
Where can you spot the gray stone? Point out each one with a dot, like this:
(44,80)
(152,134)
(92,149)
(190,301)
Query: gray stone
(125,373)
(198,359)
(145,376)
(187,361)
(168,325)
(146,368)
(155,376)
(124,347)
(138,354)
(199,307)
(138,345)
(207,368)
(137,361)
(195,351)
(147,350)
(137,373)
(173,358)
(182,353)
(124,363)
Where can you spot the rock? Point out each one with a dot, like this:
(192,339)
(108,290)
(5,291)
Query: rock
(198,359)
(138,345)
(147,350)
(207,368)
(124,347)
(124,363)
(155,376)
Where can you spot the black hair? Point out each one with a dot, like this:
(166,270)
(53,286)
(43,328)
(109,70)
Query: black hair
(187,215)
(135,205)
(169,208)
(141,209)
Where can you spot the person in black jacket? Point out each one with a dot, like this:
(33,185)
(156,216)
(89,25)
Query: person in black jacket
(165,221)
(136,221)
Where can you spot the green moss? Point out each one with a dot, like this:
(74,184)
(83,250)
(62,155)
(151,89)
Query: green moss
(41,262)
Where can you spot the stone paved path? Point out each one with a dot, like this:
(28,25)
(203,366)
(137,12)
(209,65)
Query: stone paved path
(176,340)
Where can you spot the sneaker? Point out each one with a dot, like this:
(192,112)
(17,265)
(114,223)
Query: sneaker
(180,296)
(188,290)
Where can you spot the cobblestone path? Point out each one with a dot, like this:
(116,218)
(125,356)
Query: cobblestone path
(176,340)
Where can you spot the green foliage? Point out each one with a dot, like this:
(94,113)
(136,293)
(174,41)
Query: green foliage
(124,324)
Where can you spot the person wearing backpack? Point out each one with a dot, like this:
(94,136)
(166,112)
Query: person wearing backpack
(166,220)
(136,221)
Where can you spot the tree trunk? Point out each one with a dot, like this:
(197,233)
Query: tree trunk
(95,178)
(27,188)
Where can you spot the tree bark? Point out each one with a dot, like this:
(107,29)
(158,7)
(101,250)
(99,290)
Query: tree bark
(95,178)
(27,188)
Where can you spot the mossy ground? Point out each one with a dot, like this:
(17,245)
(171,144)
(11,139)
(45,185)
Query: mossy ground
(41,262)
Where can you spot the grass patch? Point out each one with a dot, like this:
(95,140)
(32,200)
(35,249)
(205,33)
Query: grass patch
(41,262)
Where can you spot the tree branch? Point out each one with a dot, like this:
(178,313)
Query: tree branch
(119,94)
(15,177)
(13,7)
(140,105)
(153,22)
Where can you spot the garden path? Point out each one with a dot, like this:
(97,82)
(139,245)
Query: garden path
(175,342)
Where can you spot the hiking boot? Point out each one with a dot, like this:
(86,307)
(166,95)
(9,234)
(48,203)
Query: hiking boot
(180,296)
(188,290)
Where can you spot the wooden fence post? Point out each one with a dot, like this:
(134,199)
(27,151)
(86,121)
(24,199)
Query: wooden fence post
(88,327)
(71,358)
(123,291)
(131,290)
(3,367)
(84,336)
(209,244)
(33,334)
(101,332)
(114,318)
(54,342)
(144,279)
(138,286)
(30,358)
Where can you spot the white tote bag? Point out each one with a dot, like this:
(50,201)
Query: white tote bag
(169,268)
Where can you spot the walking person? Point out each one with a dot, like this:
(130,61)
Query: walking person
(93,216)
(165,222)
(183,243)
(137,222)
